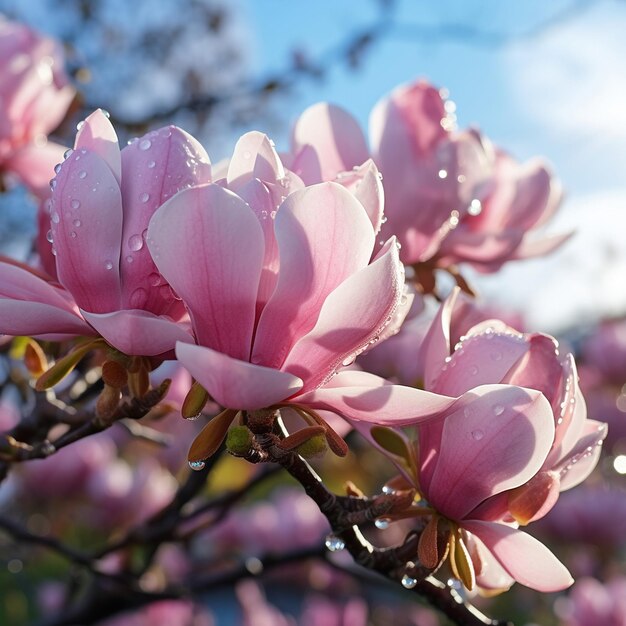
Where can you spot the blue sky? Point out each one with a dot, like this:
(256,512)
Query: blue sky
(560,94)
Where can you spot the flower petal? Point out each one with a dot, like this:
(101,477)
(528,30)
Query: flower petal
(254,157)
(86,224)
(324,236)
(97,135)
(39,319)
(137,332)
(335,136)
(495,438)
(364,397)
(352,319)
(208,245)
(524,558)
(34,164)
(236,384)
(155,167)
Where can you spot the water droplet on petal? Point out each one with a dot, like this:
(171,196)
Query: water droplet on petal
(108,265)
(135,242)
(475,207)
(67,153)
(73,234)
(381,523)
(196,466)
(334,543)
(145,144)
(82,174)
(55,217)
(154,279)
(80,125)
(442,174)
(77,223)
(138,298)
(473,370)
(498,409)
(105,113)
(75,204)
(477,434)
(49,236)
(57,168)
(144,197)
(496,356)
(151,164)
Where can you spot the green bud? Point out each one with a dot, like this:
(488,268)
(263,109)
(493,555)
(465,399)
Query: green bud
(314,447)
(239,440)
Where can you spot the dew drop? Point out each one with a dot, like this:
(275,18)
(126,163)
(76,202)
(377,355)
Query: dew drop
(49,236)
(82,174)
(80,125)
(151,164)
(381,523)
(498,409)
(144,197)
(77,223)
(477,434)
(192,418)
(53,184)
(54,216)
(145,144)
(73,234)
(334,543)
(108,265)
(473,370)
(75,204)
(135,242)
(105,113)
(264,215)
(442,174)
(138,298)
(496,356)
(388,490)
(349,360)
(57,168)
(196,466)
(154,279)
(129,258)
(408,582)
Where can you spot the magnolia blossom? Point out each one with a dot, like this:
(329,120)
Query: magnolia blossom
(283,289)
(492,352)
(451,196)
(101,204)
(594,602)
(35,94)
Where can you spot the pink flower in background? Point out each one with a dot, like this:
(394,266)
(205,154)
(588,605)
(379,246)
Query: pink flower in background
(102,201)
(35,94)
(492,352)
(594,602)
(451,196)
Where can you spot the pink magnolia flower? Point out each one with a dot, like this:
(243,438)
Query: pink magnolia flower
(102,201)
(35,94)
(450,196)
(463,463)
(492,352)
(283,291)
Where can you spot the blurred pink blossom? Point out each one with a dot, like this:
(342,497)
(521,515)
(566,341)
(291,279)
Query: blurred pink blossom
(35,94)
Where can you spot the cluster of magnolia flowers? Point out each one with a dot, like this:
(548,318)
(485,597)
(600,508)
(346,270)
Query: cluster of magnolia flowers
(267,275)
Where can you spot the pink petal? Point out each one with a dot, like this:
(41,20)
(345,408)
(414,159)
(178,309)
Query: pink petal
(18,317)
(335,136)
(324,236)
(34,164)
(524,558)
(97,135)
(208,245)
(412,113)
(154,167)
(254,157)
(363,397)
(352,318)
(487,251)
(539,368)
(138,332)
(480,360)
(236,384)
(86,224)
(495,438)
(435,348)
(365,182)
(531,248)
(584,456)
